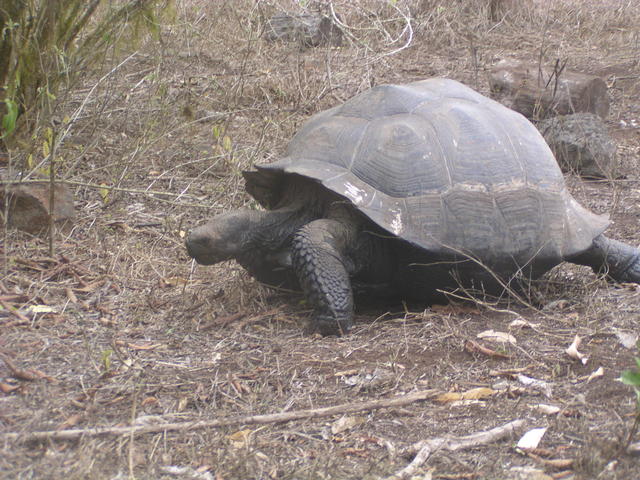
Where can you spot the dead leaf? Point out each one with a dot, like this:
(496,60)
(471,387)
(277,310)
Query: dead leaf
(474,347)
(573,352)
(559,463)
(540,385)
(448,397)
(6,388)
(531,439)
(596,374)
(474,394)
(240,439)
(356,452)
(548,409)
(71,296)
(173,281)
(149,401)
(498,337)
(107,322)
(478,393)
(346,423)
(529,473)
(188,472)
(90,287)
(72,421)
(628,340)
(182,404)
(522,323)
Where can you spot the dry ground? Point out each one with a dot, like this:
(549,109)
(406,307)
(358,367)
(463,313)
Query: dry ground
(137,334)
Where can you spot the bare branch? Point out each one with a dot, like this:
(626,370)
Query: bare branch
(222,422)
(425,448)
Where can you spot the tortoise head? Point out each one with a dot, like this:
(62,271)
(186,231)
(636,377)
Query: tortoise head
(224,237)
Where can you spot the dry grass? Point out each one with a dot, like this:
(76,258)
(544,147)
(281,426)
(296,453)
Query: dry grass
(140,334)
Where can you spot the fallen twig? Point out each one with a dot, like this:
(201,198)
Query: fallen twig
(22,374)
(425,448)
(222,422)
(14,311)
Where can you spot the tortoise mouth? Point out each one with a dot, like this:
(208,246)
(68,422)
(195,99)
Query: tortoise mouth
(201,248)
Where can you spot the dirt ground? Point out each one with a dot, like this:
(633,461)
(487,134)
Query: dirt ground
(120,328)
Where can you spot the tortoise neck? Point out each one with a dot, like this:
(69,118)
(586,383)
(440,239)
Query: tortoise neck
(271,231)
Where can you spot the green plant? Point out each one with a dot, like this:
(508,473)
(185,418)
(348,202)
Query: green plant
(9,118)
(44,44)
(632,378)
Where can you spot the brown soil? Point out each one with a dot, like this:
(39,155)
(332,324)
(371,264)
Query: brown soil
(137,334)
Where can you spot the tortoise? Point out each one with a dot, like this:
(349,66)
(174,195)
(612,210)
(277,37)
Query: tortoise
(405,190)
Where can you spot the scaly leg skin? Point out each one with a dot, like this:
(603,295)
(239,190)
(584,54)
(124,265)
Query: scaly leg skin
(319,261)
(619,260)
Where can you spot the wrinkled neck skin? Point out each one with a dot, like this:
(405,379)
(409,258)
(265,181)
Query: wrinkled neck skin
(269,233)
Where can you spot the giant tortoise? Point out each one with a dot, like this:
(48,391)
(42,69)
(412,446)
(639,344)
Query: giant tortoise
(405,190)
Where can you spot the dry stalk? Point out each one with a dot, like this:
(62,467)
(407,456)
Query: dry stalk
(223,422)
(425,448)
(52,184)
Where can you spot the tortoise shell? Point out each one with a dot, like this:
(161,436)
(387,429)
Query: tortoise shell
(442,167)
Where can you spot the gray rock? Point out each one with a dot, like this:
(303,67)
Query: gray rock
(581,143)
(311,30)
(28,206)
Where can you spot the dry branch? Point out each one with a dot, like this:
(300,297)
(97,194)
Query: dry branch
(75,434)
(425,448)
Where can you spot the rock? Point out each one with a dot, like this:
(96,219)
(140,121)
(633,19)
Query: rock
(311,30)
(581,143)
(28,207)
(539,93)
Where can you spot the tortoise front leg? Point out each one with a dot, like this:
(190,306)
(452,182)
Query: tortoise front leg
(321,265)
(619,260)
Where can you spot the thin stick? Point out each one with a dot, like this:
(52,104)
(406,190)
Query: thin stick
(425,448)
(74,434)
(94,185)
(52,184)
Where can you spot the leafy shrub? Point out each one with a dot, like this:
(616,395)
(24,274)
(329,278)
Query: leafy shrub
(44,44)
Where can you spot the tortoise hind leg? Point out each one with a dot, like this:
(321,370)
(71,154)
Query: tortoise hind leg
(322,267)
(619,260)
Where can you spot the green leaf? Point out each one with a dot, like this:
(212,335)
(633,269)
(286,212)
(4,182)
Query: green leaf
(106,359)
(9,118)
(630,377)
(104,192)
(226,143)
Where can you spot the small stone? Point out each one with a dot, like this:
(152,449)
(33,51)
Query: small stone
(28,207)
(311,30)
(581,143)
